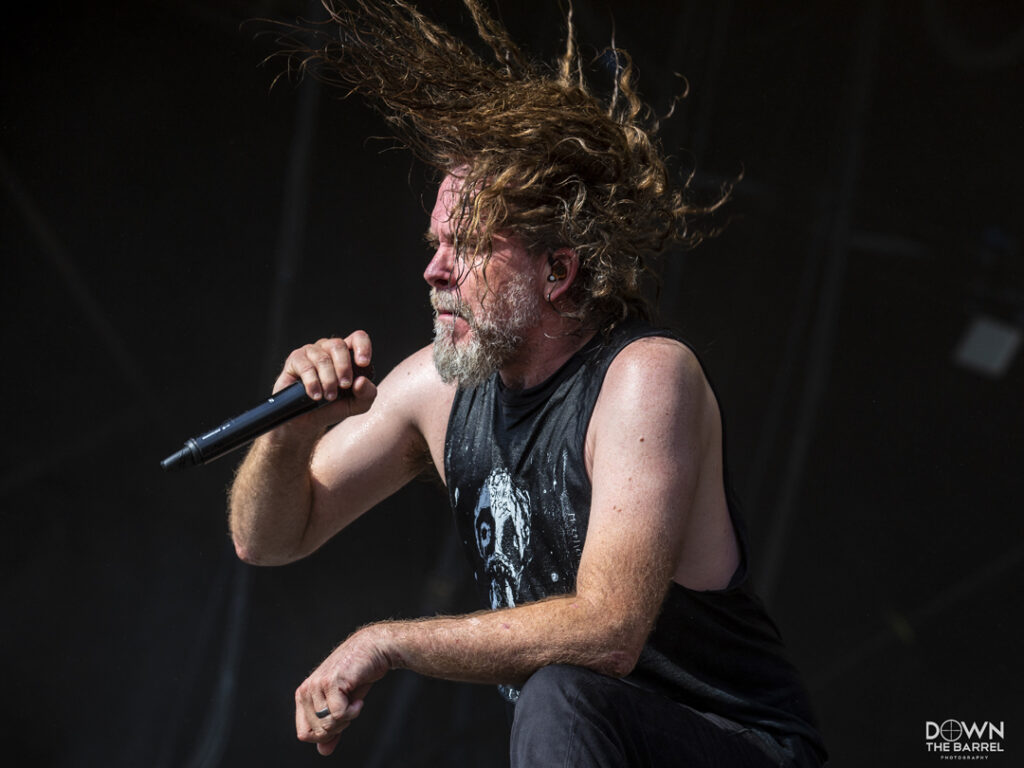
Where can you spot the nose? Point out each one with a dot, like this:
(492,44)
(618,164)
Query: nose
(438,273)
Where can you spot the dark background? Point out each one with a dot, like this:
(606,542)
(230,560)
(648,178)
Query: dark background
(172,228)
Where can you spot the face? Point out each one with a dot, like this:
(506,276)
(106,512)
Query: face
(481,315)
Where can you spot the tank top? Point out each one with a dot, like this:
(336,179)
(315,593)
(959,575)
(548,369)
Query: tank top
(520,496)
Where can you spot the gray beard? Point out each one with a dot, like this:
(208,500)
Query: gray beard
(497,335)
(474,360)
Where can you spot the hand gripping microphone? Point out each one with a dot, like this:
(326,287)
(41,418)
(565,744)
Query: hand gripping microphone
(241,430)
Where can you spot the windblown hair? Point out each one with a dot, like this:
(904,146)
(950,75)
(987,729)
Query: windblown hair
(542,156)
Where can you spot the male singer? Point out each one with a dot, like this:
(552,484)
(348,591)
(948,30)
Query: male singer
(581,446)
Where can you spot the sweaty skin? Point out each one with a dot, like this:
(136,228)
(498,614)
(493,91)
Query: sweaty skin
(658,510)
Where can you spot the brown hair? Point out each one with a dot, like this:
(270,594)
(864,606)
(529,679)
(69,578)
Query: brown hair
(543,156)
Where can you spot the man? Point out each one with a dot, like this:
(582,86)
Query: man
(581,447)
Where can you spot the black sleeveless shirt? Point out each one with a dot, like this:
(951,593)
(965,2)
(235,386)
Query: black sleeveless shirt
(521,500)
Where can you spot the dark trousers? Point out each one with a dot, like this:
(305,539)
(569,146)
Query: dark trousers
(570,717)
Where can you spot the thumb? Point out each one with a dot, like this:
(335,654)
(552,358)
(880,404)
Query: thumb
(327,747)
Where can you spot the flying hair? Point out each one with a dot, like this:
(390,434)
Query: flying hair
(541,156)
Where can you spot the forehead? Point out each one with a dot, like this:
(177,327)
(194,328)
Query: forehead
(447,201)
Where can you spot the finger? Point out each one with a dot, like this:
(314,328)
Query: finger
(364,393)
(327,747)
(356,702)
(342,360)
(313,730)
(336,702)
(300,366)
(303,727)
(292,370)
(362,349)
(359,694)
(350,714)
(309,704)
(323,361)
(333,718)
(318,372)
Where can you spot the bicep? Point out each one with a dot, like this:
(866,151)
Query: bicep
(649,433)
(366,458)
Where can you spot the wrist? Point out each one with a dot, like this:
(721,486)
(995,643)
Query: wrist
(385,639)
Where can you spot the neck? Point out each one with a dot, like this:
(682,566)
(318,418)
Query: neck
(545,349)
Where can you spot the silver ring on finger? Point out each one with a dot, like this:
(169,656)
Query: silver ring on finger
(322,713)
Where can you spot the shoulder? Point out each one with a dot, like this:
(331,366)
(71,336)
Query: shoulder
(415,386)
(415,390)
(417,373)
(655,364)
(656,381)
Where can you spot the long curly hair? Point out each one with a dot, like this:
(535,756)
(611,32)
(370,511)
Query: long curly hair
(542,156)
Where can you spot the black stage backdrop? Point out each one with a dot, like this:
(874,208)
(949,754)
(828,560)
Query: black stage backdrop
(172,227)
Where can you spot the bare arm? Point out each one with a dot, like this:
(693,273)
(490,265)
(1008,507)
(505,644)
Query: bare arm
(645,463)
(300,484)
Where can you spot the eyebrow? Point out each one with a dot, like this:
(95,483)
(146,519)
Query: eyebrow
(431,238)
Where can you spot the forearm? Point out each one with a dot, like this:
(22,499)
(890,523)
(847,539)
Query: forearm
(508,645)
(270,500)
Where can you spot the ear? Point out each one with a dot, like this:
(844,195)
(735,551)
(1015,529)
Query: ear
(562,268)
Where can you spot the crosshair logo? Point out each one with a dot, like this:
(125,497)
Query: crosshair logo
(951,730)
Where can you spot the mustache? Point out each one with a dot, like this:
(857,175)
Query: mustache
(448,302)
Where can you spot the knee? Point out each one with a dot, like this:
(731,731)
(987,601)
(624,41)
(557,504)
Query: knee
(564,712)
(555,686)
(561,695)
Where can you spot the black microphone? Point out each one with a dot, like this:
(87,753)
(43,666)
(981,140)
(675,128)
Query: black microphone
(241,430)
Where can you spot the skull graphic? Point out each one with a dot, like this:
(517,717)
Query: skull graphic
(501,526)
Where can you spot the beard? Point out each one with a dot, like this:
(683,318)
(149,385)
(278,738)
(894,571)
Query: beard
(498,329)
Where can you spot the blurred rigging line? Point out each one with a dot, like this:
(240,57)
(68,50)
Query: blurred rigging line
(903,628)
(715,59)
(291,237)
(213,739)
(700,136)
(832,239)
(52,247)
(434,600)
(803,304)
(681,40)
(202,638)
(125,420)
(210,747)
(71,448)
